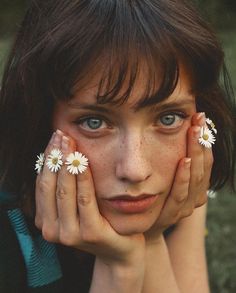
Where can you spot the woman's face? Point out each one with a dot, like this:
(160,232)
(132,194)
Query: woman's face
(133,154)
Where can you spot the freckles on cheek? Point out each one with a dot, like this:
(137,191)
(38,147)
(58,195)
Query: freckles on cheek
(98,160)
(175,151)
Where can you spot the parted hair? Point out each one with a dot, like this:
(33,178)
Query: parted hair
(60,43)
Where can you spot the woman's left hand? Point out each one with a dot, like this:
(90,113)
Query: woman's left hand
(191,182)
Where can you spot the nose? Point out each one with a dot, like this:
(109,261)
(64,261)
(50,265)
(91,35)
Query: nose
(134,164)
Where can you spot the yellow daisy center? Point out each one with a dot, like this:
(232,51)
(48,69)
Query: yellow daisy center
(55,161)
(205,136)
(76,163)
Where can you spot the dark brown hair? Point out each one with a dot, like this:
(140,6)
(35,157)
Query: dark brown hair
(61,42)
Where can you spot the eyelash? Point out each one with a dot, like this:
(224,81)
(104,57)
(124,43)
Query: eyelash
(181,115)
(82,120)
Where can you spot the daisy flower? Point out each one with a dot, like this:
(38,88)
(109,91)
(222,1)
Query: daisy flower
(77,163)
(211,194)
(212,125)
(206,137)
(39,163)
(54,160)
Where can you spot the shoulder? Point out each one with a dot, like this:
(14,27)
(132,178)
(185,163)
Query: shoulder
(11,258)
(26,259)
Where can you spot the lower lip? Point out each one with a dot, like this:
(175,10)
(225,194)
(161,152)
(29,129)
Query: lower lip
(133,206)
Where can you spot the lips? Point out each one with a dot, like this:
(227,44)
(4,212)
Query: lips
(132,204)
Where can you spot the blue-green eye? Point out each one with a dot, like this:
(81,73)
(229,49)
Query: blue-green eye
(172,120)
(93,123)
(168,119)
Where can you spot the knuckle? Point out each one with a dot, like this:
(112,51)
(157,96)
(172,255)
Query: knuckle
(49,233)
(187,212)
(174,217)
(61,192)
(183,180)
(42,186)
(68,238)
(180,198)
(201,200)
(199,178)
(83,199)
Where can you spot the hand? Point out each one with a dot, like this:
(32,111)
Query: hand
(191,182)
(67,213)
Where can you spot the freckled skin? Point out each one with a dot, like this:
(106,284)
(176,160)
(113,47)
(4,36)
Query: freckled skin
(134,157)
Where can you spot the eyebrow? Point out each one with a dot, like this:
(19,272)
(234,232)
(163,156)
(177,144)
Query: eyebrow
(92,107)
(175,104)
(164,106)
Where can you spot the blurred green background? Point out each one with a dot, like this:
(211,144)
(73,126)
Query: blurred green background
(221,218)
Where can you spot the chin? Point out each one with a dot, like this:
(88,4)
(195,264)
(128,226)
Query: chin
(131,227)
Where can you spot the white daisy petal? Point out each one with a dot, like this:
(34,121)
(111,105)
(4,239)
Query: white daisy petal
(77,163)
(208,121)
(214,130)
(211,194)
(206,137)
(211,124)
(54,160)
(39,163)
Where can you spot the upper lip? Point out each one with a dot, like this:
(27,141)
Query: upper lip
(131,197)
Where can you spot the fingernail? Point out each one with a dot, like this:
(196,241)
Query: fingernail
(196,132)
(59,132)
(65,143)
(201,117)
(187,162)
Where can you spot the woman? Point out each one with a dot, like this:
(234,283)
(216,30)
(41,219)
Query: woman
(112,96)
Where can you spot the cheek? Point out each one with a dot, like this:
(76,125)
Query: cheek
(166,159)
(101,158)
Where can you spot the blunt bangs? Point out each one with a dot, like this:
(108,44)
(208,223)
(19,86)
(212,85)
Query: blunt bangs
(116,39)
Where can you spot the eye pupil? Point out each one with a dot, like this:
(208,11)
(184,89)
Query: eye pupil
(167,119)
(94,123)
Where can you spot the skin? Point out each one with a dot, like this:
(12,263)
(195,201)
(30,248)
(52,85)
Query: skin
(132,152)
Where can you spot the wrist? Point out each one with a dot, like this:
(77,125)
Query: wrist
(120,276)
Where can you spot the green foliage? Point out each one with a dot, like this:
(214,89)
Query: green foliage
(221,13)
(11,13)
(229,43)
(221,240)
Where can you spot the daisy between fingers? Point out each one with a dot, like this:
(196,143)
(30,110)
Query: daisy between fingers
(77,163)
(211,124)
(206,137)
(39,163)
(54,160)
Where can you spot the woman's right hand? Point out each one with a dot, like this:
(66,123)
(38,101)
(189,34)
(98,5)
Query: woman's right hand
(67,213)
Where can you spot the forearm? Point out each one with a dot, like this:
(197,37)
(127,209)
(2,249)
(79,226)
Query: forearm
(159,275)
(117,278)
(186,247)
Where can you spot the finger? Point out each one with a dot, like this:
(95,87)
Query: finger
(178,195)
(208,162)
(196,153)
(89,215)
(66,191)
(46,186)
(201,161)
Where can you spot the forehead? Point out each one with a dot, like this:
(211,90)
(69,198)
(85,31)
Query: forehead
(89,90)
